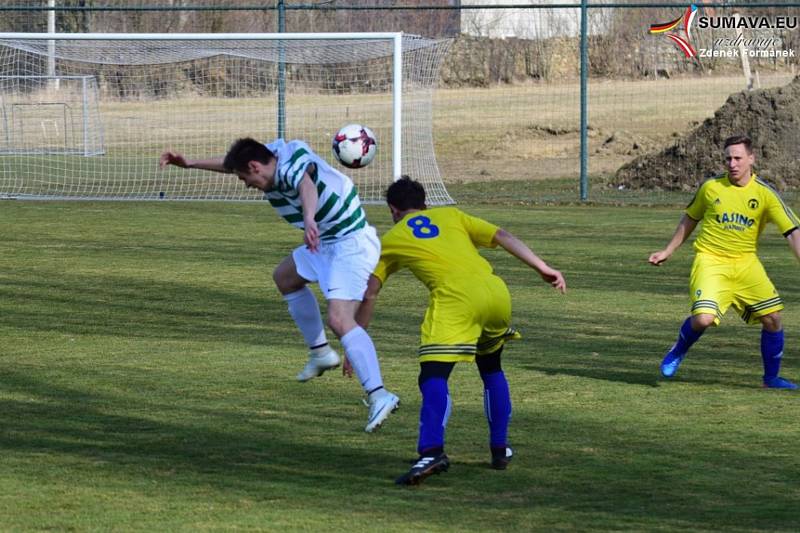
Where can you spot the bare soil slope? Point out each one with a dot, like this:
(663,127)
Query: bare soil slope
(771,117)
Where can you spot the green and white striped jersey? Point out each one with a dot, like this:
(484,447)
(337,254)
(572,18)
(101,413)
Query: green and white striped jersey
(339,210)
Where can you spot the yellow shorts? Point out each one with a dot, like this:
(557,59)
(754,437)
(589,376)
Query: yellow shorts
(466,319)
(717,282)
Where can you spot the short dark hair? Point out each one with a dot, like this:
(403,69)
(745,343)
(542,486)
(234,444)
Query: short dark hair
(740,139)
(405,194)
(242,151)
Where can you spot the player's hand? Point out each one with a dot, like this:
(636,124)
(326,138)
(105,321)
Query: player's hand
(657,258)
(347,368)
(311,236)
(172,158)
(555,279)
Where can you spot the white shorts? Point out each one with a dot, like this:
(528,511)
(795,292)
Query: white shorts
(342,267)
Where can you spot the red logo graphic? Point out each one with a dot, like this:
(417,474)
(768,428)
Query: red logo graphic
(683,44)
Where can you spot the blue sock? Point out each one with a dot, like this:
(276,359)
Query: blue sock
(433,414)
(686,338)
(771,352)
(497,406)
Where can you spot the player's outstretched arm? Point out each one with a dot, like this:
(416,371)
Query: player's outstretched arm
(521,251)
(179,160)
(685,228)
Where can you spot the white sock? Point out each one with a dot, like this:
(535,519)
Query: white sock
(362,355)
(304,309)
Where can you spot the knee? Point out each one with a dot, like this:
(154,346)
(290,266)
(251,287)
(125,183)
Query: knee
(287,281)
(490,363)
(701,322)
(340,322)
(278,278)
(772,322)
(434,369)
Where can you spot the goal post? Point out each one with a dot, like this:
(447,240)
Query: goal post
(196,93)
(50,115)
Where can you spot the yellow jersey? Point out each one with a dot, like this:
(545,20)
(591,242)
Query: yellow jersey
(438,245)
(733,217)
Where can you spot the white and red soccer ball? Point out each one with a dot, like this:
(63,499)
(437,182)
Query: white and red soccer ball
(355,146)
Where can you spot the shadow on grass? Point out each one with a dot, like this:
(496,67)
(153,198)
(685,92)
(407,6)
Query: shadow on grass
(133,307)
(650,379)
(237,450)
(606,471)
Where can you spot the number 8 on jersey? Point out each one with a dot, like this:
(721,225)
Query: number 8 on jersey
(422,228)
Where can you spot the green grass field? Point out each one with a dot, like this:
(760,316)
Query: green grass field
(147,384)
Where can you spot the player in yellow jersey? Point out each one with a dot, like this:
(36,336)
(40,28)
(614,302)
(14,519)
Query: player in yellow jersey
(468,317)
(733,209)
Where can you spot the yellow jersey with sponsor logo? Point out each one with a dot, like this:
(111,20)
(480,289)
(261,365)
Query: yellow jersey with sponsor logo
(733,217)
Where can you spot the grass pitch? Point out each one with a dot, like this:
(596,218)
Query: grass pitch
(147,384)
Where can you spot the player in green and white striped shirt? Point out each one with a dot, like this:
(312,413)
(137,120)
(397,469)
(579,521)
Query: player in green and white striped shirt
(338,212)
(340,251)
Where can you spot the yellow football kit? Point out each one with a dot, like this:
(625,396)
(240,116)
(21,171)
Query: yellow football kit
(726,271)
(469,311)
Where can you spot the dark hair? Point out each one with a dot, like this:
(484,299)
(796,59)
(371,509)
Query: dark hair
(242,151)
(405,194)
(740,139)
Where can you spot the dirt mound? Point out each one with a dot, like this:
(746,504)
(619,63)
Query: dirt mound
(771,117)
(625,143)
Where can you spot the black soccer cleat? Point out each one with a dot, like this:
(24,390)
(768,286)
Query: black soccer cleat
(424,467)
(501,457)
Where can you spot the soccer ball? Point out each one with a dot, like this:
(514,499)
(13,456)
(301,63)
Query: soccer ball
(355,146)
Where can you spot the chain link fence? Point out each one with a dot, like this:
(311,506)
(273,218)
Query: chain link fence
(509,99)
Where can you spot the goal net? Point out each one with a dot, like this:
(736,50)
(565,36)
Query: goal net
(86,116)
(50,115)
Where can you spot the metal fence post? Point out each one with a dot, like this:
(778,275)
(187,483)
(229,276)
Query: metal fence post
(584,101)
